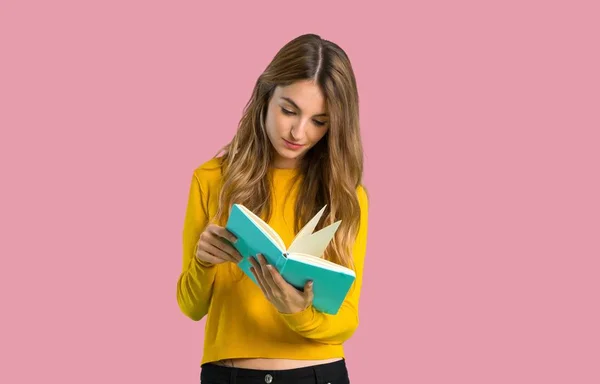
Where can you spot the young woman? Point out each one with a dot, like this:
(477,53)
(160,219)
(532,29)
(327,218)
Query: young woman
(297,149)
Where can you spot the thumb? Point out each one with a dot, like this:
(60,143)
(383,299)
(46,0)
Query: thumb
(308,291)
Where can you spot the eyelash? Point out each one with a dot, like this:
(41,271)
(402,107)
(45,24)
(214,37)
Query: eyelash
(289,113)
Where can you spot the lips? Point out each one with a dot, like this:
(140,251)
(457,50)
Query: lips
(292,145)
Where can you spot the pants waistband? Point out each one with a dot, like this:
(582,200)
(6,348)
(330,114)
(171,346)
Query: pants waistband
(233,374)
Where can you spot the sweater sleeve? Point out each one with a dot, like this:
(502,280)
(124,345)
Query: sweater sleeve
(336,329)
(195,283)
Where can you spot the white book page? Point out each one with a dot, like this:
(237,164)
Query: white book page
(308,228)
(317,261)
(316,243)
(266,228)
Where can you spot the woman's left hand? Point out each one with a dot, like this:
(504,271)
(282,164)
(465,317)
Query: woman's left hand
(284,296)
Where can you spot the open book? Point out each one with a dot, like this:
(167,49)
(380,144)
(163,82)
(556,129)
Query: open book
(298,264)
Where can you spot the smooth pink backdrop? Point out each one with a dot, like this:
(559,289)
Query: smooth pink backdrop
(481,131)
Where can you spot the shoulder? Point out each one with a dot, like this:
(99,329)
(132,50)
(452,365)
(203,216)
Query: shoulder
(363,204)
(209,171)
(363,197)
(208,175)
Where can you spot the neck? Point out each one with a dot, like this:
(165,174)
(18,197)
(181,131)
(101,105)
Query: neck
(281,163)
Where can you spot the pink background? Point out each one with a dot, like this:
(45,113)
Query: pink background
(481,132)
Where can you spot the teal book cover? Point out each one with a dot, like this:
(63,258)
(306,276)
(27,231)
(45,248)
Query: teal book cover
(299,263)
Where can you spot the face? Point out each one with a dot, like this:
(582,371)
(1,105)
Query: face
(296,120)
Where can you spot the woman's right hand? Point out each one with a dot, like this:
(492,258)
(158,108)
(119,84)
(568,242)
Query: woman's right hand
(213,248)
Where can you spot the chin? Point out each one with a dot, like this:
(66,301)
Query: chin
(290,155)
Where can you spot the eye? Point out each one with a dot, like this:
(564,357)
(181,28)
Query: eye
(319,123)
(286,112)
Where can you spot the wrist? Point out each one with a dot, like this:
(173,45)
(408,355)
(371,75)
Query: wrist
(299,319)
(203,263)
(295,310)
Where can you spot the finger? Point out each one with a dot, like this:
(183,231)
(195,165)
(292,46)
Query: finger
(308,292)
(207,257)
(259,281)
(254,264)
(277,279)
(216,252)
(210,237)
(256,271)
(220,243)
(268,277)
(232,253)
(224,233)
(261,272)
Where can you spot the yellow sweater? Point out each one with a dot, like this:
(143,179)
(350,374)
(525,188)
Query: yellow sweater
(241,322)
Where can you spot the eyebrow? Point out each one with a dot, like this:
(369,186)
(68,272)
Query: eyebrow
(296,105)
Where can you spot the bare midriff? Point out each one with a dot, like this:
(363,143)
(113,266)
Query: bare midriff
(274,364)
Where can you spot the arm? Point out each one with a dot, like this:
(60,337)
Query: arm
(195,284)
(336,329)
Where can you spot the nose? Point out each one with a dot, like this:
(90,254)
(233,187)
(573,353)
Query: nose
(298,130)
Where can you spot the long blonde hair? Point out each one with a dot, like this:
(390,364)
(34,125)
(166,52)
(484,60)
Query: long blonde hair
(331,171)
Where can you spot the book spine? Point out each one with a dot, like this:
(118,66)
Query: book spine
(281,263)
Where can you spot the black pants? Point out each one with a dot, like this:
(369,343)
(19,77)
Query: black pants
(329,373)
